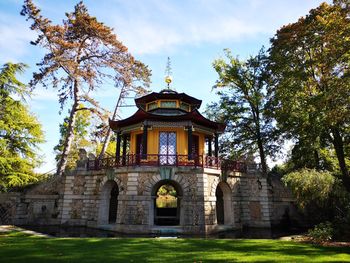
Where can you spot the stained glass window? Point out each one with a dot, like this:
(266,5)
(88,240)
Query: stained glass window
(168,104)
(185,106)
(152,105)
(167,148)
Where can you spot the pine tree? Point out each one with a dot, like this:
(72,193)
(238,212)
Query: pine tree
(20,131)
(81,54)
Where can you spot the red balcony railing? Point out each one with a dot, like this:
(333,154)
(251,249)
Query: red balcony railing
(133,160)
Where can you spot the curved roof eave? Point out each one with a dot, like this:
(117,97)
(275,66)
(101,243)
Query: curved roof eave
(142,115)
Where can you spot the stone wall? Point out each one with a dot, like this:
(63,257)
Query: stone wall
(8,207)
(35,205)
(81,198)
(284,211)
(85,198)
(84,202)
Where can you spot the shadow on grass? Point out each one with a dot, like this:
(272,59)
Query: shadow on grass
(34,249)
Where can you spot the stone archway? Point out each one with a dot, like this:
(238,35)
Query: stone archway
(108,205)
(224,215)
(167,212)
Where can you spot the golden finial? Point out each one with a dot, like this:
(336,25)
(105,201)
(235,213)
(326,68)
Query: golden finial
(168,78)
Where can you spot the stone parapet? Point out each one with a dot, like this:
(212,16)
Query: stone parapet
(208,201)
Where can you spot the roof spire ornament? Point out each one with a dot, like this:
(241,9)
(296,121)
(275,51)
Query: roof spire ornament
(168,78)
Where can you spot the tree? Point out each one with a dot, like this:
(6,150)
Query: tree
(20,132)
(313,191)
(306,154)
(310,79)
(125,91)
(242,106)
(81,54)
(81,137)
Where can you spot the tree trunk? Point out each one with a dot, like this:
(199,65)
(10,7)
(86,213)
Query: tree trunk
(339,150)
(260,143)
(262,157)
(70,134)
(109,131)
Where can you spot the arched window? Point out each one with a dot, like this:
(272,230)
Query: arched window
(220,211)
(167,203)
(224,215)
(113,204)
(108,206)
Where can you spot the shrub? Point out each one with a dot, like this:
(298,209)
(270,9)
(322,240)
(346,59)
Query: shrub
(310,186)
(321,232)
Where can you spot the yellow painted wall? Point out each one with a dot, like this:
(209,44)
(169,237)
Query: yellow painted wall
(153,140)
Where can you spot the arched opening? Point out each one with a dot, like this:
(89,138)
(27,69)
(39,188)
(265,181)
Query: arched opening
(167,203)
(220,212)
(108,207)
(113,204)
(224,215)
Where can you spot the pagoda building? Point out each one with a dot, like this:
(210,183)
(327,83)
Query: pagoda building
(167,130)
(166,176)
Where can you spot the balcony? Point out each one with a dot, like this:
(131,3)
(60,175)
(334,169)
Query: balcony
(136,160)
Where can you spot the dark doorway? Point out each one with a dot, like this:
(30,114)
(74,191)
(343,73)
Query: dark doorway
(220,216)
(167,212)
(113,204)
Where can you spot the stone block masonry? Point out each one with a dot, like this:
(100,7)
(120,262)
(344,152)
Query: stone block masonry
(124,200)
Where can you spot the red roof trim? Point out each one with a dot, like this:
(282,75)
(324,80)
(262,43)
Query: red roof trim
(142,115)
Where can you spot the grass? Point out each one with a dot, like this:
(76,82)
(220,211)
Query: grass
(19,247)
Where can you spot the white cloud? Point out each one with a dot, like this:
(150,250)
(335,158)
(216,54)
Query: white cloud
(158,26)
(143,32)
(41,94)
(14,38)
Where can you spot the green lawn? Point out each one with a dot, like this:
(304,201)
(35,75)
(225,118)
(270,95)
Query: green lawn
(18,247)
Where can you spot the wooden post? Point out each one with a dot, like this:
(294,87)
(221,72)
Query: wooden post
(144,142)
(216,149)
(189,142)
(125,138)
(209,146)
(117,153)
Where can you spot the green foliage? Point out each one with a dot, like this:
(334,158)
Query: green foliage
(166,201)
(310,186)
(307,154)
(309,89)
(242,105)
(111,148)
(9,83)
(166,197)
(167,189)
(321,232)
(82,130)
(20,132)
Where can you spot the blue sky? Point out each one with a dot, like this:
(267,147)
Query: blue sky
(192,33)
